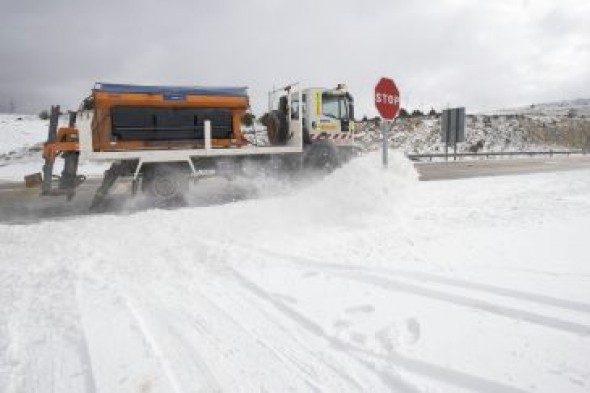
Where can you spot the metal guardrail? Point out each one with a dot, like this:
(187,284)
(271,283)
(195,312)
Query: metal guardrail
(418,157)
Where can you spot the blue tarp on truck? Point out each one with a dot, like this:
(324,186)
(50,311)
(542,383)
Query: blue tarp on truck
(171,90)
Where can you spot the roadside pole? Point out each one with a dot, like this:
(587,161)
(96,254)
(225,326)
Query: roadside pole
(385,133)
(387,103)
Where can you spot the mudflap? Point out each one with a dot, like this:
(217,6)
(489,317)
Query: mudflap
(111,175)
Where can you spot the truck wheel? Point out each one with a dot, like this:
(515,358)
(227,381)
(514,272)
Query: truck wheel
(165,182)
(322,155)
(276,126)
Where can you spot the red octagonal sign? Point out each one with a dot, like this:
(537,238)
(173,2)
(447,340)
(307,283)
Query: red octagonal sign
(387,98)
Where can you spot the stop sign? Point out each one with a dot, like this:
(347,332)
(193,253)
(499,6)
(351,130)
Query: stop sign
(387,98)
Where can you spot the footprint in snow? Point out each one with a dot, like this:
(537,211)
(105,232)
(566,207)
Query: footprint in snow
(396,335)
(341,324)
(361,309)
(358,338)
(412,330)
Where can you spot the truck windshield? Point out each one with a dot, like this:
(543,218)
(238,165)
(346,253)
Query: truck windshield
(334,106)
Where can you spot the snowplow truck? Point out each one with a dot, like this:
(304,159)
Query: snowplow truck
(163,136)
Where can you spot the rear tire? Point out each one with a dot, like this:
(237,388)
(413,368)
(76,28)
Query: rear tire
(165,182)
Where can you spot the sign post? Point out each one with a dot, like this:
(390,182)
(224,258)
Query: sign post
(387,103)
(385,133)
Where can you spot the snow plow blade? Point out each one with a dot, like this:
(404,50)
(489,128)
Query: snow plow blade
(65,143)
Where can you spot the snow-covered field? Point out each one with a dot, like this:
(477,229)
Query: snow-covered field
(367,281)
(19,132)
(21,140)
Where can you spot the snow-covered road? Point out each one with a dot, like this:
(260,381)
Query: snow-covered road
(366,281)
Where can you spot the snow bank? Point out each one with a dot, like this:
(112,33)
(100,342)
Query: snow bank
(361,188)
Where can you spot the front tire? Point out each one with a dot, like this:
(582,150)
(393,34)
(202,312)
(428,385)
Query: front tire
(322,155)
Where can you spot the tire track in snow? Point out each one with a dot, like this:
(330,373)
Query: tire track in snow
(430,277)
(395,382)
(511,312)
(84,348)
(376,277)
(228,343)
(150,340)
(46,345)
(173,327)
(416,366)
(203,325)
(84,353)
(288,360)
(481,287)
(227,272)
(144,364)
(427,370)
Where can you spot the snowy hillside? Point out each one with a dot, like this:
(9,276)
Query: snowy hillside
(572,108)
(368,281)
(484,133)
(542,127)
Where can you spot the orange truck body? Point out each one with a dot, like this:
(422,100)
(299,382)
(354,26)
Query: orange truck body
(106,97)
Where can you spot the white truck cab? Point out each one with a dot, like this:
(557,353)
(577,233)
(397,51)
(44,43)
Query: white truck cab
(324,116)
(328,114)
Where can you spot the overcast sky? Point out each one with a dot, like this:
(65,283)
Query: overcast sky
(478,54)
